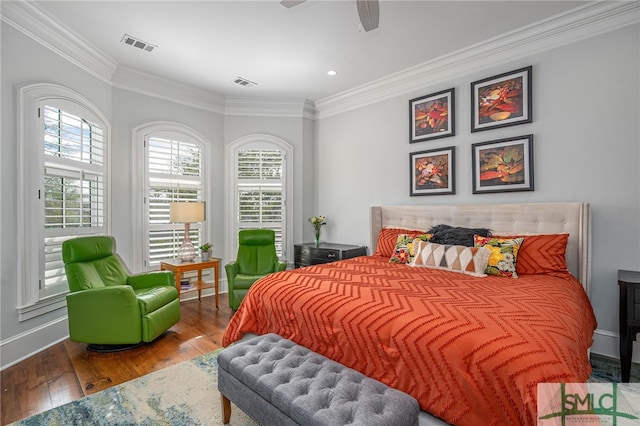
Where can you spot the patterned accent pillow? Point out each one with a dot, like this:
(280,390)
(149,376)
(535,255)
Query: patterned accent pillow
(387,239)
(462,259)
(541,253)
(504,254)
(405,247)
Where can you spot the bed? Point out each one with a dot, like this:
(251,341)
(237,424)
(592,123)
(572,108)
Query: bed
(470,349)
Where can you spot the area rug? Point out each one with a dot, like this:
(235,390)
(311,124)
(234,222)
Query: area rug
(180,395)
(187,394)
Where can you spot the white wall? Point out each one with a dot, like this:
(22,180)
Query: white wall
(586,109)
(132,110)
(26,62)
(298,132)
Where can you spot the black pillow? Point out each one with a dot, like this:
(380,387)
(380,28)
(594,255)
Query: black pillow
(456,235)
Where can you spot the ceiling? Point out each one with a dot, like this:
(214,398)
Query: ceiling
(287,52)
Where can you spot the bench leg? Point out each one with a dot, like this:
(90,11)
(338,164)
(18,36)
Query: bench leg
(226,409)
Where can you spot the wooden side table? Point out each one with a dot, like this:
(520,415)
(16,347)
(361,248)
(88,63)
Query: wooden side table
(629,282)
(178,268)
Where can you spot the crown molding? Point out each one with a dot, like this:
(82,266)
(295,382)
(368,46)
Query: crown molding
(269,107)
(572,26)
(32,21)
(577,24)
(161,88)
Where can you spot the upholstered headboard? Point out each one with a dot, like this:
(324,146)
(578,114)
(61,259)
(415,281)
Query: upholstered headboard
(502,219)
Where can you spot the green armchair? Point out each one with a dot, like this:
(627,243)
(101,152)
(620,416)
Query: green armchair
(109,307)
(256,258)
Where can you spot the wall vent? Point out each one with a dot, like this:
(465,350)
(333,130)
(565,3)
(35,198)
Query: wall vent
(143,45)
(244,82)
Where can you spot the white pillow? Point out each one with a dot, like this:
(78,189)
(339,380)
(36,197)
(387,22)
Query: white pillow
(466,260)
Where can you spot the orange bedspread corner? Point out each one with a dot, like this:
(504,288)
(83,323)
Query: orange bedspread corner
(470,350)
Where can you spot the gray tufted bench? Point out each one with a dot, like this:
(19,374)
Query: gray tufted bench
(277,382)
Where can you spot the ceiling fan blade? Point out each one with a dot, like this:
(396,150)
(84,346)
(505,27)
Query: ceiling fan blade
(369,12)
(291,3)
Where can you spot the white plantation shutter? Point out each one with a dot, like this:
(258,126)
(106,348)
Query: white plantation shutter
(174,171)
(74,188)
(260,191)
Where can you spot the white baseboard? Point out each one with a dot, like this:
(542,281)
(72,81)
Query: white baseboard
(24,345)
(608,343)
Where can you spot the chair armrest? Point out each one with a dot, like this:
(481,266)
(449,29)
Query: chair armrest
(231,269)
(104,315)
(152,279)
(97,299)
(280,266)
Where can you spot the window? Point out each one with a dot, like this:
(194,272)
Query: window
(260,191)
(259,188)
(65,195)
(74,197)
(174,173)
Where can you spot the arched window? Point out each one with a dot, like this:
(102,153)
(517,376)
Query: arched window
(63,187)
(259,188)
(174,164)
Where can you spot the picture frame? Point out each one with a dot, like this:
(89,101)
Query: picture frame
(502,100)
(503,165)
(432,116)
(432,172)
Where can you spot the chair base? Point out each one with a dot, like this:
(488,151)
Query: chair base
(111,348)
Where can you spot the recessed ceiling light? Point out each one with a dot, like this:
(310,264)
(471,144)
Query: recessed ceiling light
(332,72)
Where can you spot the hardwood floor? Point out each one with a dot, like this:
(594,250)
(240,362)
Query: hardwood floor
(67,371)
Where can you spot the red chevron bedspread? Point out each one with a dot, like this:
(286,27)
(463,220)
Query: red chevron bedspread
(470,350)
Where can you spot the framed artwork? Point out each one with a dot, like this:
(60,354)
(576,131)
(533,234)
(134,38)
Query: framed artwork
(502,100)
(433,172)
(432,116)
(503,165)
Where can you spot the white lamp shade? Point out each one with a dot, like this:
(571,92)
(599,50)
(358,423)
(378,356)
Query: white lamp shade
(186,212)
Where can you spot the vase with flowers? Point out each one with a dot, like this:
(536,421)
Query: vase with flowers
(317,222)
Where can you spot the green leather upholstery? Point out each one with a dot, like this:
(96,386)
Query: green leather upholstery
(109,306)
(256,258)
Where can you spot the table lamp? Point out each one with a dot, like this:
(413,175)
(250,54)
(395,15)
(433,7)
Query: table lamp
(187,213)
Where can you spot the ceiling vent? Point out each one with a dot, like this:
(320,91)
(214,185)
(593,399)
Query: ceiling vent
(132,41)
(244,82)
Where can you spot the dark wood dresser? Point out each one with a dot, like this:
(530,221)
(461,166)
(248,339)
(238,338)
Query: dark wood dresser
(309,254)
(629,283)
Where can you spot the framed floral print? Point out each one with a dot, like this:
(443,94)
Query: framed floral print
(432,116)
(502,100)
(503,165)
(433,172)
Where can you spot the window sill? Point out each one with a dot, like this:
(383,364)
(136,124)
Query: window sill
(42,307)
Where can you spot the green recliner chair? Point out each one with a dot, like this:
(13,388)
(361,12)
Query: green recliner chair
(256,258)
(109,308)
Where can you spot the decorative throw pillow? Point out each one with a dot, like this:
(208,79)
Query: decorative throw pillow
(541,253)
(462,259)
(387,239)
(456,235)
(504,254)
(405,247)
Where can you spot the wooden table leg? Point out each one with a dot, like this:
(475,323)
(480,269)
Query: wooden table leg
(627,337)
(199,281)
(216,284)
(178,277)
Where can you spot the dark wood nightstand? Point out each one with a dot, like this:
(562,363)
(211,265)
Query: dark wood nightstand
(629,282)
(309,254)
